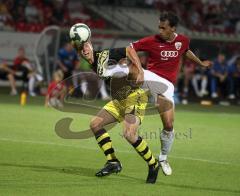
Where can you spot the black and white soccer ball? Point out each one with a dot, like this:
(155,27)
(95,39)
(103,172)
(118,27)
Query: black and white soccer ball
(79,33)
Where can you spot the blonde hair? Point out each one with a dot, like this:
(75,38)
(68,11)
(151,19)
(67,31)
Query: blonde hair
(58,74)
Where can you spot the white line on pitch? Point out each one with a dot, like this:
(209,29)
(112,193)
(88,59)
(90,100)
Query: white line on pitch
(121,151)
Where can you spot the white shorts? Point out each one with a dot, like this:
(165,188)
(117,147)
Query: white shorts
(158,86)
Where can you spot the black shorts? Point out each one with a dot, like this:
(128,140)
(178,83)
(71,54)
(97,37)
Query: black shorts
(3,75)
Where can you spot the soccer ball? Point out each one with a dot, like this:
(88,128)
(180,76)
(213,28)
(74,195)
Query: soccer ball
(79,33)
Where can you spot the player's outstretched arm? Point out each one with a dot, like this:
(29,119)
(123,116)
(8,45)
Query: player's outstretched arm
(190,55)
(132,55)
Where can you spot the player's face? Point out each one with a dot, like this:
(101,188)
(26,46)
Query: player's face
(165,30)
(87,51)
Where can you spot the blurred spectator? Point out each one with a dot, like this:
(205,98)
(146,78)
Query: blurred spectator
(8,73)
(212,16)
(237,30)
(67,60)
(32,13)
(56,91)
(188,72)
(195,19)
(58,13)
(18,64)
(19,14)
(219,74)
(234,79)
(28,71)
(88,81)
(4,14)
(47,15)
(200,77)
(149,3)
(205,15)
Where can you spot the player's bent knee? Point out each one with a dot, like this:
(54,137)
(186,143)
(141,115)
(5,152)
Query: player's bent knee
(95,125)
(164,104)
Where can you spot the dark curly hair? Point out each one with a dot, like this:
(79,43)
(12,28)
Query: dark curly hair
(171,17)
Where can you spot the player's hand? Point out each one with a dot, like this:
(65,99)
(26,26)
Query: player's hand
(207,63)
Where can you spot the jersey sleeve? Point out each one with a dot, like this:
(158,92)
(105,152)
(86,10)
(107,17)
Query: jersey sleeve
(140,45)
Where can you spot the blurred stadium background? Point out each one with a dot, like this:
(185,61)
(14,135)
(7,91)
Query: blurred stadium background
(34,160)
(41,27)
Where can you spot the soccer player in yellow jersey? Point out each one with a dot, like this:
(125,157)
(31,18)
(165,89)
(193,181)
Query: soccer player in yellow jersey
(128,105)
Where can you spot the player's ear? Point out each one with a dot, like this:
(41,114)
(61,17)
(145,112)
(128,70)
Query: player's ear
(173,29)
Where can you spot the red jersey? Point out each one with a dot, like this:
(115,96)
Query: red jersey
(55,88)
(18,61)
(164,57)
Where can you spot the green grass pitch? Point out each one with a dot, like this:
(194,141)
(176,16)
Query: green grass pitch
(34,161)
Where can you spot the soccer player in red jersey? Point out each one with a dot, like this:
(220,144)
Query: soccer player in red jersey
(165,51)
